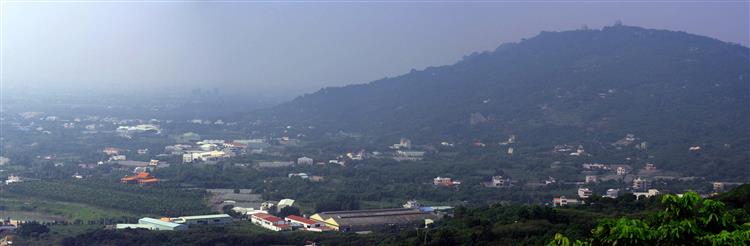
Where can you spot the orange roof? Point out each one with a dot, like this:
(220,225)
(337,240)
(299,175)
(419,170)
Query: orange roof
(142,177)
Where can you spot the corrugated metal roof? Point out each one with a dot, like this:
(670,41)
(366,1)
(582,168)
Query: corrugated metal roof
(208,216)
(158,222)
(376,216)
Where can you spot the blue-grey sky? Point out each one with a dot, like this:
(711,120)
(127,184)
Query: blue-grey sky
(292,47)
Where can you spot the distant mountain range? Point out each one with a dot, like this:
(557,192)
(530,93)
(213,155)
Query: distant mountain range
(673,88)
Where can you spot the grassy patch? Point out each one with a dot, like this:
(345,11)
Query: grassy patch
(16,206)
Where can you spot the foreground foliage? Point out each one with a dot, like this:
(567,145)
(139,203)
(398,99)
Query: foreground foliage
(684,220)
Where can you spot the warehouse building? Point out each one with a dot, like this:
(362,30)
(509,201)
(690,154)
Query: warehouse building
(212,219)
(373,219)
(153,224)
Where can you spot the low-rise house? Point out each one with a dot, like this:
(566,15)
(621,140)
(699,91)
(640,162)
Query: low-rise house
(246,210)
(649,193)
(275,164)
(613,193)
(111,151)
(412,204)
(627,140)
(13,179)
(7,226)
(594,166)
(300,175)
(87,165)
(500,181)
(142,169)
(269,222)
(441,181)
(305,160)
(718,187)
(286,202)
(302,222)
(564,201)
(621,171)
(584,193)
(358,156)
(405,143)
(409,155)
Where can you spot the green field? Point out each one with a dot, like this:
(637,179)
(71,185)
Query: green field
(27,208)
(101,202)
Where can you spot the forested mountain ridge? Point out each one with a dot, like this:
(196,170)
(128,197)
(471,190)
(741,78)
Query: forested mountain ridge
(673,89)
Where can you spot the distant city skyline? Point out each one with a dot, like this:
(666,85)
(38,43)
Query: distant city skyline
(284,49)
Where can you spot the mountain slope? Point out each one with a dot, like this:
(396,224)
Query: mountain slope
(675,89)
(555,78)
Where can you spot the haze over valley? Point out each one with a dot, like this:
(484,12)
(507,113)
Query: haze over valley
(375,123)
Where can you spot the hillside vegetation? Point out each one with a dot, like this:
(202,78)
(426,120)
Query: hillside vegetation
(671,89)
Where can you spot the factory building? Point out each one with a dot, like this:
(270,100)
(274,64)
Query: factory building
(153,224)
(212,219)
(373,219)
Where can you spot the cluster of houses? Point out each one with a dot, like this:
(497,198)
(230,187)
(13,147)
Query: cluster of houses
(569,150)
(212,150)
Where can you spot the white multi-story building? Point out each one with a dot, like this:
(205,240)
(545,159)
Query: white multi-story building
(639,183)
(584,193)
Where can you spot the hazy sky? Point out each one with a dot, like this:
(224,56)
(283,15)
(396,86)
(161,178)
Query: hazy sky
(295,47)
